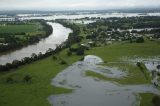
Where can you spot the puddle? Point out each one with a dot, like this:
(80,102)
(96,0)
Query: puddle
(90,92)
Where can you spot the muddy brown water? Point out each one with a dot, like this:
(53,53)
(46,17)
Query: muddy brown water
(59,35)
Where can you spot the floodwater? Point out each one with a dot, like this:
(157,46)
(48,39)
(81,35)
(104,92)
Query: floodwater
(59,35)
(78,16)
(138,30)
(83,21)
(150,63)
(89,91)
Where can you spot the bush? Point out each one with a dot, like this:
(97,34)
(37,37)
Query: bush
(9,80)
(156,100)
(63,62)
(27,78)
(80,51)
(140,40)
(54,57)
(69,53)
(138,64)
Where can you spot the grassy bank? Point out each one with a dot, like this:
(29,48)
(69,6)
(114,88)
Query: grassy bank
(146,99)
(34,93)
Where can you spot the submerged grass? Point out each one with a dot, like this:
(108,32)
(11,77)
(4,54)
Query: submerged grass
(134,75)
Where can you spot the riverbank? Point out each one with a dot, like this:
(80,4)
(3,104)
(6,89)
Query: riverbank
(17,35)
(58,36)
(42,71)
(35,92)
(38,89)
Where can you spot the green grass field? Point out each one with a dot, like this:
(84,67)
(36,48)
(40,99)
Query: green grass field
(116,51)
(30,27)
(146,99)
(35,93)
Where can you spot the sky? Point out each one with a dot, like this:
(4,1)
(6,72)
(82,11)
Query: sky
(75,4)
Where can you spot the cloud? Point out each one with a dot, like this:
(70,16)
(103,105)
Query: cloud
(75,4)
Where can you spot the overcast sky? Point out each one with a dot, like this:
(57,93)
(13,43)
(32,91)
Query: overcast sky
(76,4)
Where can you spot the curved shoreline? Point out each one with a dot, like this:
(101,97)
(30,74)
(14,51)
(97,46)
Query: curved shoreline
(57,37)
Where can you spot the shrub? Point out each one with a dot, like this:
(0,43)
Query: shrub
(63,62)
(156,100)
(80,51)
(27,78)
(140,40)
(9,80)
(54,57)
(69,53)
(138,64)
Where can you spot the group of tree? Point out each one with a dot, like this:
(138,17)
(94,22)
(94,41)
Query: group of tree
(26,60)
(11,41)
(124,23)
(34,57)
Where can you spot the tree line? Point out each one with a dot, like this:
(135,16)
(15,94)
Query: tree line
(12,42)
(73,37)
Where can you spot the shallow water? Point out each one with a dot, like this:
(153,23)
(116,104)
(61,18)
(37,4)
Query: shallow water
(151,64)
(59,35)
(78,16)
(88,91)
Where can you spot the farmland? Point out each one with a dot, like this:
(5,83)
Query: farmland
(112,51)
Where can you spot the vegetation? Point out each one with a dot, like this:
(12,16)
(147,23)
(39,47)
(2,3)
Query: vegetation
(116,51)
(16,92)
(146,99)
(25,27)
(18,34)
(97,36)
(133,77)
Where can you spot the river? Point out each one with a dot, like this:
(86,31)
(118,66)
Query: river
(59,35)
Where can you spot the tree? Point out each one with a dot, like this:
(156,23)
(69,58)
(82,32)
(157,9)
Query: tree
(34,56)
(15,63)
(80,51)
(158,67)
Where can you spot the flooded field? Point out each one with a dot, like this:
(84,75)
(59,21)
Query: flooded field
(89,91)
(151,64)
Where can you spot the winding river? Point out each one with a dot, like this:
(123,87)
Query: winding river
(59,35)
